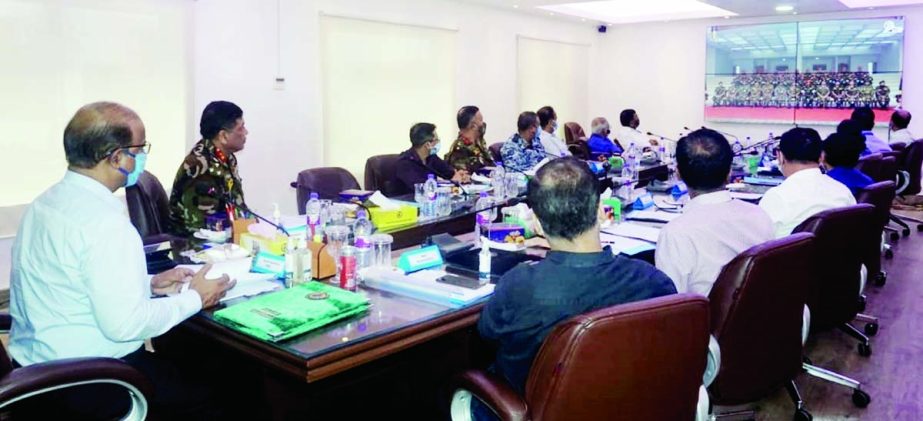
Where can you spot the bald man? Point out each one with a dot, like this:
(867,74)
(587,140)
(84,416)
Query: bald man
(900,119)
(599,142)
(79,284)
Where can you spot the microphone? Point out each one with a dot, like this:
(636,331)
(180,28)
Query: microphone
(661,137)
(724,133)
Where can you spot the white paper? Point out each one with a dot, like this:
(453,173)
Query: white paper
(480,178)
(248,283)
(652,215)
(383,202)
(628,246)
(633,230)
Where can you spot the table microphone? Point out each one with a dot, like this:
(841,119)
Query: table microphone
(724,133)
(661,137)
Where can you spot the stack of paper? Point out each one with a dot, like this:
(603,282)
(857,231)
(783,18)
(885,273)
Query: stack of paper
(651,216)
(248,283)
(624,245)
(635,231)
(423,286)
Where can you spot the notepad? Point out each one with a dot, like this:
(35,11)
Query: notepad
(633,230)
(652,216)
(423,286)
(623,245)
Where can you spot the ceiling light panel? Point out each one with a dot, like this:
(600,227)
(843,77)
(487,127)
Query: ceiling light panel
(632,11)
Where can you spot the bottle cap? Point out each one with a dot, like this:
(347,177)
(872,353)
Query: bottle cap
(314,195)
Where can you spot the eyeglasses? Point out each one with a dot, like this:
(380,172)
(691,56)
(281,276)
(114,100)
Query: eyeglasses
(145,148)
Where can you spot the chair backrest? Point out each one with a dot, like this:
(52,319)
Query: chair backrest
(327,182)
(842,236)
(579,149)
(880,195)
(870,165)
(621,362)
(148,206)
(756,316)
(379,171)
(888,170)
(911,163)
(898,147)
(494,150)
(573,133)
(6,363)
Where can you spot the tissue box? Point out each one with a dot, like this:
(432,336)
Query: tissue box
(506,233)
(390,219)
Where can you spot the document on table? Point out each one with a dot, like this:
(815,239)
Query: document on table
(746,196)
(248,283)
(635,231)
(624,245)
(652,216)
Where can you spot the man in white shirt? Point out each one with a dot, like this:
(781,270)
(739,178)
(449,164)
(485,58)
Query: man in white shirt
(79,285)
(628,133)
(900,119)
(805,191)
(714,228)
(548,120)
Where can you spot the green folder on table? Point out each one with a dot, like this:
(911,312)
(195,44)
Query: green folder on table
(290,312)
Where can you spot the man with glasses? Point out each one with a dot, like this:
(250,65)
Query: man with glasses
(207,186)
(79,285)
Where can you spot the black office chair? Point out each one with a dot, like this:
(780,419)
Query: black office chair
(379,173)
(908,181)
(327,182)
(149,209)
(870,165)
(880,195)
(494,150)
(18,385)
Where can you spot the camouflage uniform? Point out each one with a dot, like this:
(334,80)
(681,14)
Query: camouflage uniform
(203,184)
(469,154)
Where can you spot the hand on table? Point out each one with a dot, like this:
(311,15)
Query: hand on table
(461,176)
(211,290)
(170,281)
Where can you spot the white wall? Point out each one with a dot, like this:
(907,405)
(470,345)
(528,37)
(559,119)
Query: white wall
(236,59)
(659,69)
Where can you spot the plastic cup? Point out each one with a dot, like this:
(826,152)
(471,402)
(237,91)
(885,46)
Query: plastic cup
(381,250)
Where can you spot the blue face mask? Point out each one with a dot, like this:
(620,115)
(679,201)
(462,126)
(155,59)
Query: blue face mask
(131,178)
(435,150)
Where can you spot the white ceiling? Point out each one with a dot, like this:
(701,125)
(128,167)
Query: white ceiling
(743,8)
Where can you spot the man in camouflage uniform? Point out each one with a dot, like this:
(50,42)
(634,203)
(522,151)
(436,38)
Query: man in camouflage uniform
(207,184)
(469,151)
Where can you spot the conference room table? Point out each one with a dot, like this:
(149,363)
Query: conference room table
(399,354)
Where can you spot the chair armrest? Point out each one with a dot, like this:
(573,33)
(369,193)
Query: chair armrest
(493,391)
(6,321)
(35,379)
(712,362)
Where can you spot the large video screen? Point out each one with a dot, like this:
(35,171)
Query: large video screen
(804,72)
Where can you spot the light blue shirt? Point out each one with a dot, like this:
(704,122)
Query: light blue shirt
(79,285)
(873,144)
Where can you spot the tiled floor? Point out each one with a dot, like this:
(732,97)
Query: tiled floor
(893,374)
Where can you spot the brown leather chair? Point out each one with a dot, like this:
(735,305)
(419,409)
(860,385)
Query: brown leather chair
(17,385)
(642,360)
(494,150)
(579,149)
(327,182)
(880,195)
(909,163)
(842,237)
(764,289)
(573,133)
(149,209)
(379,173)
(870,165)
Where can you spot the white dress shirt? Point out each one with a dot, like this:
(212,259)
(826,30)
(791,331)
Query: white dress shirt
(802,195)
(552,144)
(901,136)
(626,136)
(79,284)
(713,229)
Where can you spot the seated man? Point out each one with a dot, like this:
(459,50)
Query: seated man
(865,118)
(841,154)
(578,274)
(522,152)
(599,142)
(628,132)
(548,120)
(79,285)
(207,184)
(805,191)
(900,119)
(469,151)
(422,159)
(714,228)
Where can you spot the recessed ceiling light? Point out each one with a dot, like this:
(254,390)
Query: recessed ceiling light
(727,17)
(582,20)
(550,14)
(794,13)
(515,6)
(785,8)
(622,11)
(609,24)
(853,4)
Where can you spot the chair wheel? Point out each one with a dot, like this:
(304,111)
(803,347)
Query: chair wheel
(906,232)
(871,329)
(881,278)
(860,303)
(803,415)
(920,227)
(895,236)
(860,398)
(889,254)
(865,350)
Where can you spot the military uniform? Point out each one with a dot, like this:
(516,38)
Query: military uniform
(469,154)
(207,184)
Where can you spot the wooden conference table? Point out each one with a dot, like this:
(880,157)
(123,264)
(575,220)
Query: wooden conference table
(400,349)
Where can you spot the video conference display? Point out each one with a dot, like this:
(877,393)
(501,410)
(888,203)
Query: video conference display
(804,72)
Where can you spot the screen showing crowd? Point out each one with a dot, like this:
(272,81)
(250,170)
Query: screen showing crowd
(803,72)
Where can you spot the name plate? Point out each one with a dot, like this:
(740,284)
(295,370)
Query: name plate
(679,189)
(424,258)
(265,262)
(643,201)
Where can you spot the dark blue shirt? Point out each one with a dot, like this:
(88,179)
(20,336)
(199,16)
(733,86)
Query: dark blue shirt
(850,177)
(531,299)
(600,144)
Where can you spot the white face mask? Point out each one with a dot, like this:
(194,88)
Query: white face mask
(435,149)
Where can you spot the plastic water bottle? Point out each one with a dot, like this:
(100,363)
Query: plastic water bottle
(312,210)
(738,161)
(484,265)
(362,240)
(630,169)
(429,190)
(484,215)
(662,153)
(498,182)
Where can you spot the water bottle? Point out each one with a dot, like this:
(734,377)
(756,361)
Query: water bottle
(632,162)
(484,215)
(738,161)
(662,153)
(362,235)
(312,210)
(484,265)
(498,182)
(429,190)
